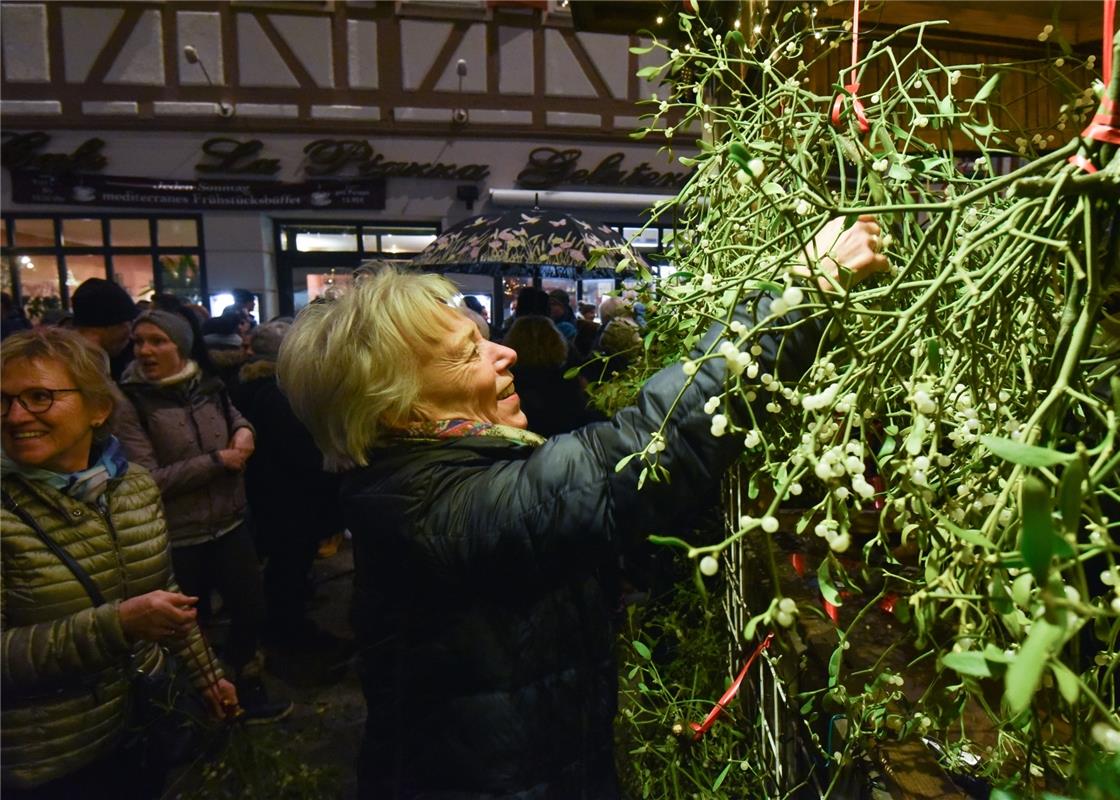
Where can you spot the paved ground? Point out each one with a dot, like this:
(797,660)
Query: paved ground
(311,754)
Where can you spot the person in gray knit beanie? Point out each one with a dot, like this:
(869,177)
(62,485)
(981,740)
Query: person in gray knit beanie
(177,329)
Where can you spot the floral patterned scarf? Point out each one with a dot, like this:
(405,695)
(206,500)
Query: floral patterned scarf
(460,428)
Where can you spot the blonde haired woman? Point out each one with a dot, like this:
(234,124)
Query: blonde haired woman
(88,595)
(484,555)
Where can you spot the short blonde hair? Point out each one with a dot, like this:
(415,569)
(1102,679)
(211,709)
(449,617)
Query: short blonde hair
(537,342)
(351,368)
(87,364)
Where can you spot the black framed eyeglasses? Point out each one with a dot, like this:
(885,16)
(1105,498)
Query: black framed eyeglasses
(35,400)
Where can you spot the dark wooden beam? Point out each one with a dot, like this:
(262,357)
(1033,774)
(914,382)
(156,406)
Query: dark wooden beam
(113,45)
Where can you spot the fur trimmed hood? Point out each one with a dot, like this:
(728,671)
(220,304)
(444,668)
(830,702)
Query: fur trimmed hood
(256,370)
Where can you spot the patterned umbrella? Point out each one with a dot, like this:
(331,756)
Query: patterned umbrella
(546,243)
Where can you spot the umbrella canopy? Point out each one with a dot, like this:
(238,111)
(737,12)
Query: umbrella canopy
(550,244)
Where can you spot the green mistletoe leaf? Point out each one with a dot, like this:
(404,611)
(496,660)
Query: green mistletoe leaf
(1037,540)
(969,662)
(1028,455)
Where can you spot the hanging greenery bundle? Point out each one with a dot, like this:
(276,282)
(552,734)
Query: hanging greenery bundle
(970,397)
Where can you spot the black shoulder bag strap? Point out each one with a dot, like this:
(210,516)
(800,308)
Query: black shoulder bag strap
(83,577)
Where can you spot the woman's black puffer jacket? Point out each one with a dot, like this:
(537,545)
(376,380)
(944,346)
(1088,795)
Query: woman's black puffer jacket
(481,601)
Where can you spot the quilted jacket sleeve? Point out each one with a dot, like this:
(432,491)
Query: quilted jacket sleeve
(48,653)
(518,513)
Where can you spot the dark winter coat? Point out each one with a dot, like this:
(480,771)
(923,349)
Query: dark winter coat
(176,435)
(551,404)
(285,482)
(483,593)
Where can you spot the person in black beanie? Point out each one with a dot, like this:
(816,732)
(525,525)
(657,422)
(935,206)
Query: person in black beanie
(103,314)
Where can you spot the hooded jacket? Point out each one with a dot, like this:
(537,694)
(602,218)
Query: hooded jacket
(484,591)
(178,430)
(67,666)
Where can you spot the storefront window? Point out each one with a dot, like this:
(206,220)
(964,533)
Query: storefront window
(397,240)
(135,274)
(81,233)
(38,282)
(327,240)
(309,285)
(6,276)
(314,259)
(130,233)
(481,287)
(49,257)
(79,268)
(510,287)
(177,233)
(595,289)
(180,277)
(34,233)
(642,240)
(569,286)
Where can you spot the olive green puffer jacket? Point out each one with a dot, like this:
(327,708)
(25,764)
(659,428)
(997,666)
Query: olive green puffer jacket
(66,665)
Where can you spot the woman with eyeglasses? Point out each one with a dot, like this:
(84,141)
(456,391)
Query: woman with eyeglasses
(88,598)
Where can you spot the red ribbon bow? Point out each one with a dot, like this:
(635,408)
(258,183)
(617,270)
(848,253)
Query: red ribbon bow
(852,87)
(857,108)
(1105,125)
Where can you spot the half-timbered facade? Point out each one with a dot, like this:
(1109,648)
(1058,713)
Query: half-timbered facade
(363,128)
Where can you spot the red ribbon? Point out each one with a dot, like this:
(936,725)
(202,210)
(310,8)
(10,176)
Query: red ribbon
(1106,40)
(732,690)
(1082,162)
(852,87)
(1103,128)
(1105,125)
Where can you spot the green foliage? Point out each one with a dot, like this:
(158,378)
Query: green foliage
(971,382)
(258,763)
(672,675)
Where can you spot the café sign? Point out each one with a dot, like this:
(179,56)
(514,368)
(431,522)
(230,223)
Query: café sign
(354,162)
(551,166)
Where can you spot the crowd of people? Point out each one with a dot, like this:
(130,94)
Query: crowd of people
(152,457)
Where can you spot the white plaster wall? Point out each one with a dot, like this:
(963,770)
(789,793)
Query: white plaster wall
(310,40)
(84,33)
(23,35)
(202,30)
(141,59)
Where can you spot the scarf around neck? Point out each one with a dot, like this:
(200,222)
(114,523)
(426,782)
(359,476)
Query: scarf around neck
(463,428)
(85,485)
(189,370)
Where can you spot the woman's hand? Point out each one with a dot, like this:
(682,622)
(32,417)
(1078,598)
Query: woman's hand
(158,615)
(221,699)
(232,459)
(847,256)
(243,440)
